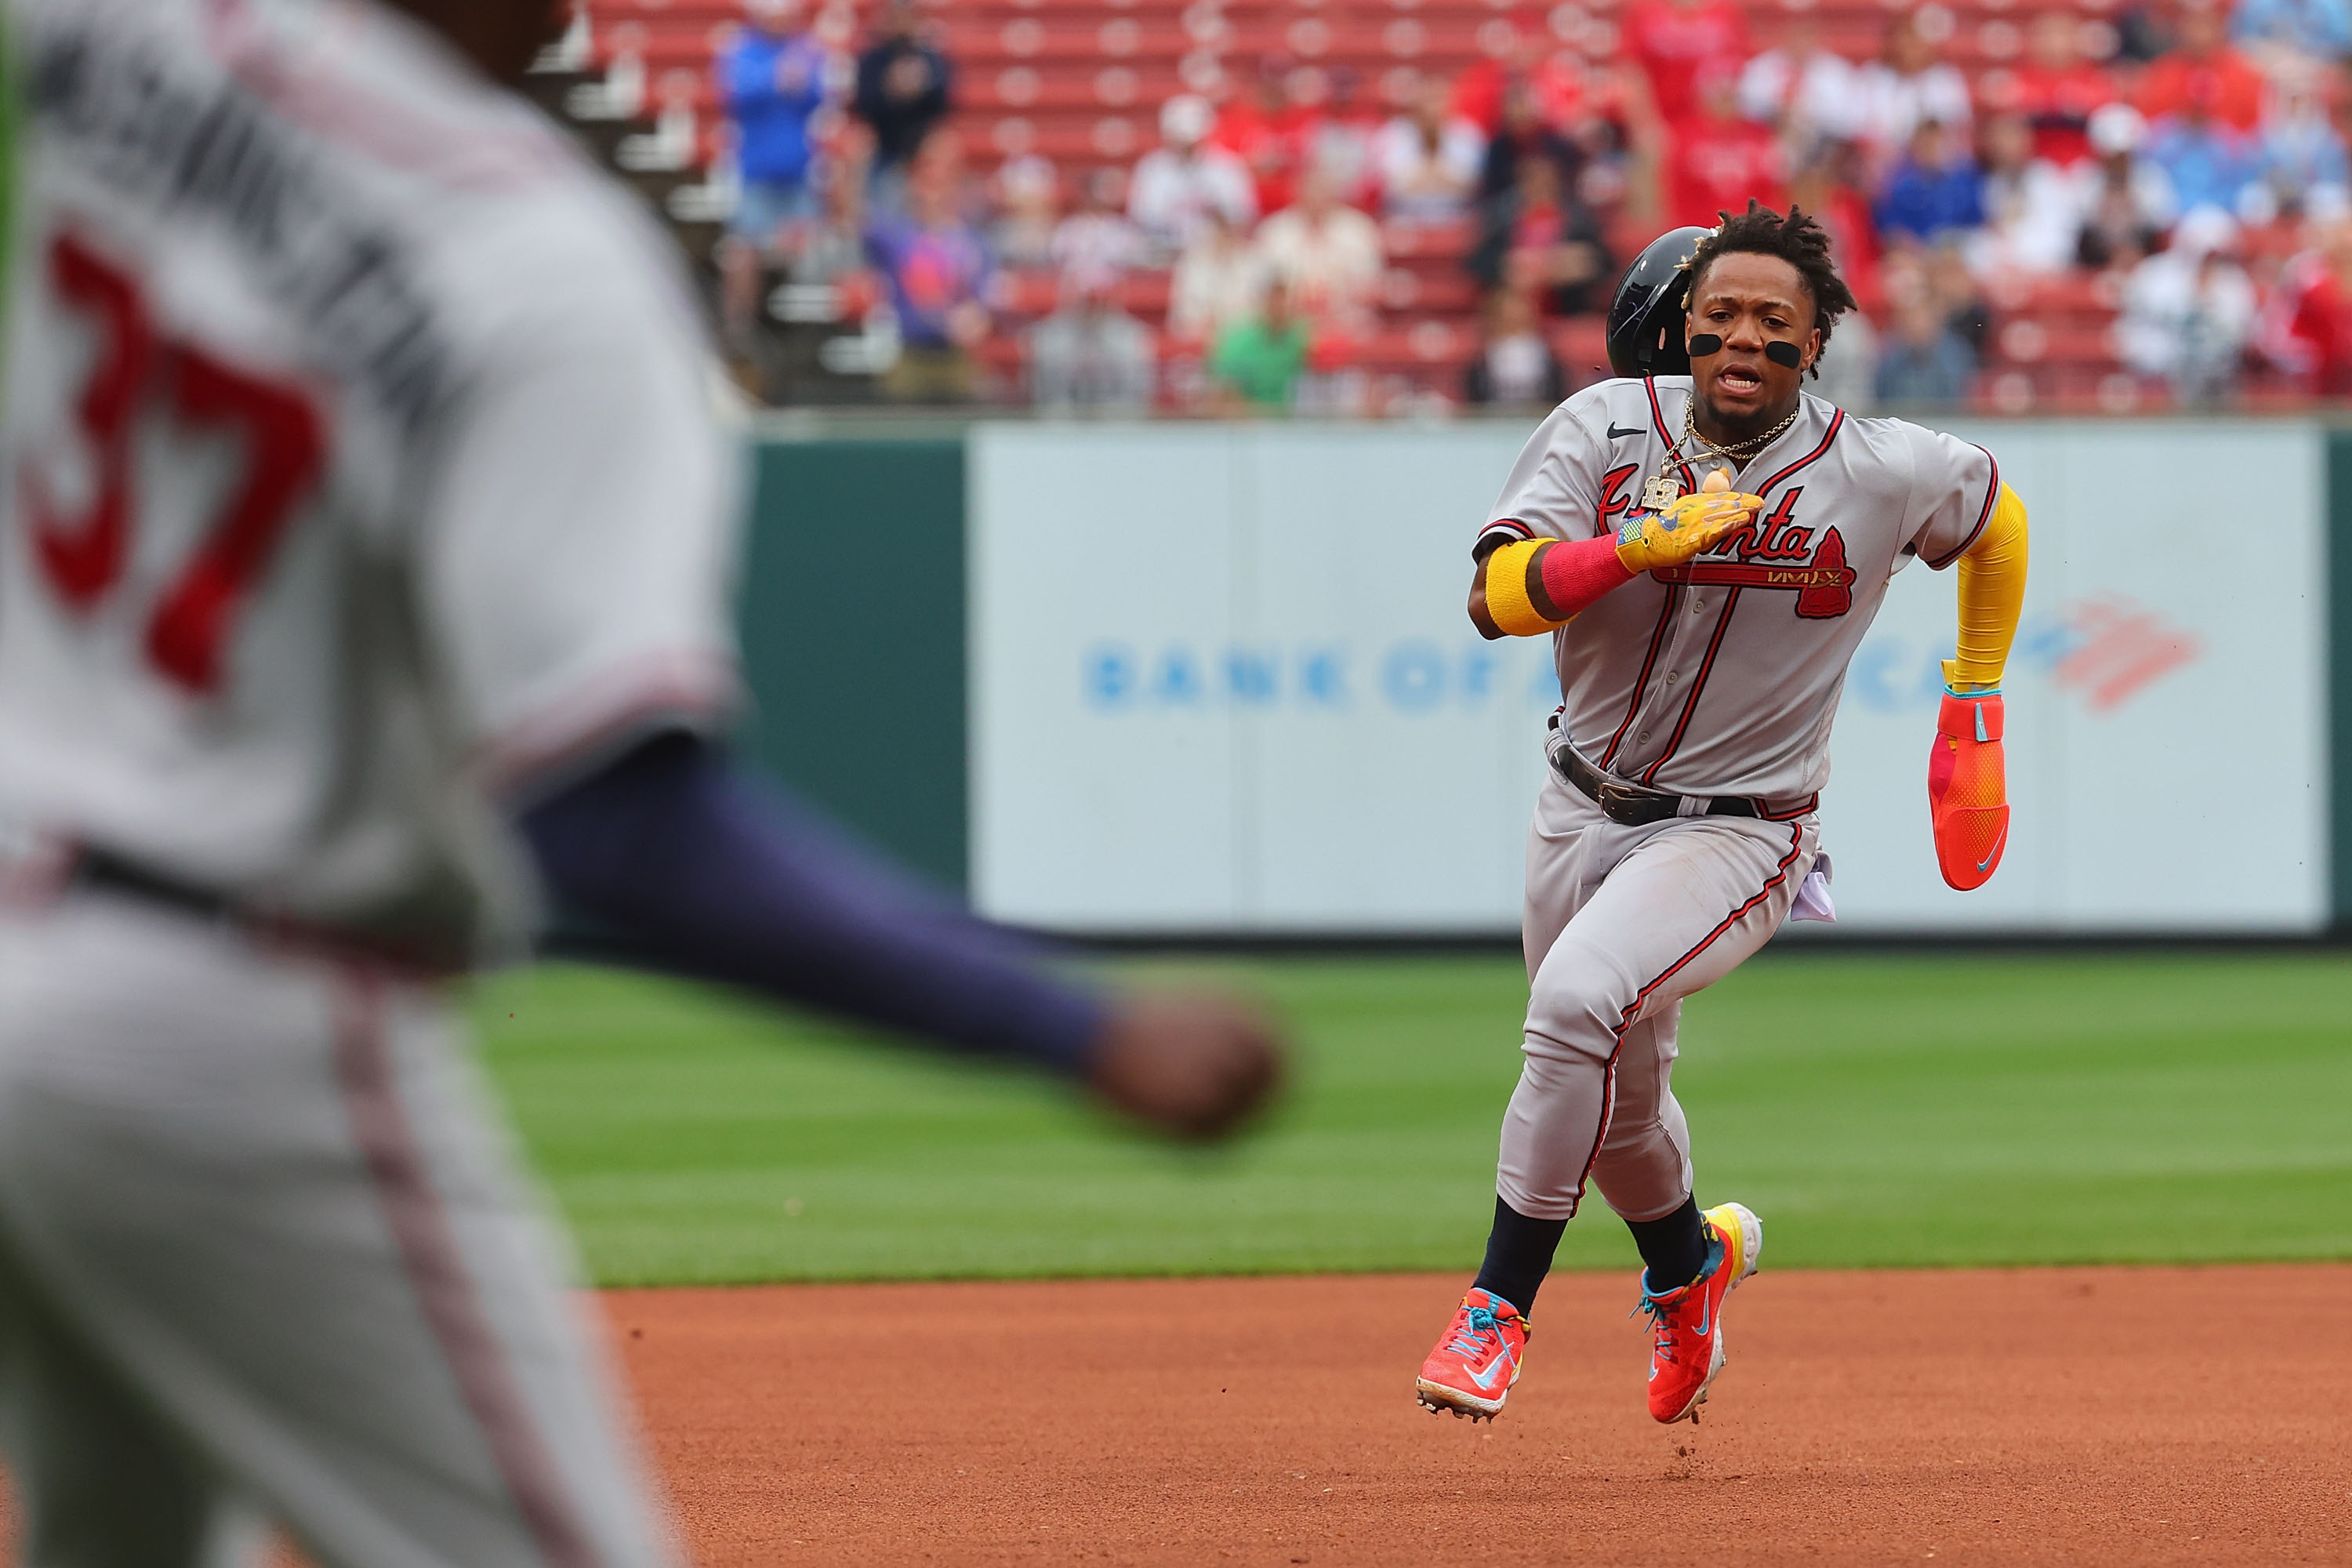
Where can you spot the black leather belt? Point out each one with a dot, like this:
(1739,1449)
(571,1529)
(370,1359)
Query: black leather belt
(102,870)
(111,873)
(1631,805)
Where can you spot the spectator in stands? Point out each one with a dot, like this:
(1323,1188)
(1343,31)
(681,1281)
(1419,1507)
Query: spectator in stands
(1216,282)
(1827,188)
(2281,33)
(771,78)
(2312,305)
(832,249)
(2209,163)
(1340,135)
(2203,68)
(1097,245)
(2189,310)
(1906,85)
(2304,162)
(2058,90)
(1180,182)
(1718,159)
(1521,133)
(2124,203)
(904,86)
(1429,161)
(1804,89)
(1954,288)
(1924,363)
(1089,355)
(1674,40)
(1259,359)
(1327,255)
(1544,240)
(1515,366)
(937,272)
(1934,193)
(1266,130)
(1028,210)
(2029,206)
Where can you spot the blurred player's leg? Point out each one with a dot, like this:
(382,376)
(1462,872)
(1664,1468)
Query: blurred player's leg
(264,1189)
(102,1480)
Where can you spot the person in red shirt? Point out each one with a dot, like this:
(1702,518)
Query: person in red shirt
(1673,40)
(2313,304)
(2203,68)
(1267,133)
(2057,89)
(1718,158)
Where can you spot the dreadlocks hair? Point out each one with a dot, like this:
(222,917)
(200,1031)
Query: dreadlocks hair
(1797,239)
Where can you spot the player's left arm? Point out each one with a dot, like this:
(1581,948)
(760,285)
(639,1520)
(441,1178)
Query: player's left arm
(572,561)
(1967,789)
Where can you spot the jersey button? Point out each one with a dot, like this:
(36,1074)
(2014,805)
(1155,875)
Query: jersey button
(1672,678)
(1646,734)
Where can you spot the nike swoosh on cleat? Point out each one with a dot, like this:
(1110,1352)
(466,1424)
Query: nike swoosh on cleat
(1492,1372)
(1617,435)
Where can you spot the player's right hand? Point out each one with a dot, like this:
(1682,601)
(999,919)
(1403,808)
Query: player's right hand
(1692,526)
(1193,1068)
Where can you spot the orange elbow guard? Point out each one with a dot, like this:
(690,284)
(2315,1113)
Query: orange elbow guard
(1967,789)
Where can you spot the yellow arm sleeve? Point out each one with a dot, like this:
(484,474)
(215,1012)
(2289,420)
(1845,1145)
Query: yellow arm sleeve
(1506,591)
(1993,595)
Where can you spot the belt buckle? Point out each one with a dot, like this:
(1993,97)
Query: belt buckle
(1620,804)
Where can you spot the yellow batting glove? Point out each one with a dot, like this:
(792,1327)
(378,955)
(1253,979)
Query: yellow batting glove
(1690,527)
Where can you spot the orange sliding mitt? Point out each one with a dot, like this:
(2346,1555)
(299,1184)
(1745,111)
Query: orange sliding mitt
(1967,789)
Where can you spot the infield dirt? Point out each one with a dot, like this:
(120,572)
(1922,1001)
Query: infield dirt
(2012,1417)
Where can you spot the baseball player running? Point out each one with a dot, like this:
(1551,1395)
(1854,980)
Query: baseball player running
(364,560)
(1706,551)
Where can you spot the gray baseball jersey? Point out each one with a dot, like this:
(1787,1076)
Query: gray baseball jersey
(362,472)
(361,462)
(1722,677)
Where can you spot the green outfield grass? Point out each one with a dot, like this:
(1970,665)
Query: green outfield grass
(1876,1110)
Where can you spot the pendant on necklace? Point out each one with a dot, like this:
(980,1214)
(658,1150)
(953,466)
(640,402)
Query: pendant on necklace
(1660,492)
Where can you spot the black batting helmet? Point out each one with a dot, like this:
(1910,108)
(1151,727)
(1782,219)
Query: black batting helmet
(1645,315)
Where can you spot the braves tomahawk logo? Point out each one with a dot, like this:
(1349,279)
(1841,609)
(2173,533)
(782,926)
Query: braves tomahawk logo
(1773,552)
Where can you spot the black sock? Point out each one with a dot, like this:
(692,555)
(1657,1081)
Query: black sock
(1673,1249)
(1519,1255)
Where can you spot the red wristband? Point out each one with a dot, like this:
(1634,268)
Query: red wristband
(1978,716)
(1577,572)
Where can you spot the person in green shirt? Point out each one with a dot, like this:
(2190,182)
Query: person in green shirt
(1260,358)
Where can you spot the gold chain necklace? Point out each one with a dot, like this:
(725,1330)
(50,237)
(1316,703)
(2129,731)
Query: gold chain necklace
(1662,492)
(1737,451)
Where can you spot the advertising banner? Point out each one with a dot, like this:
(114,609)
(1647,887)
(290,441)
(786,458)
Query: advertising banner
(1221,681)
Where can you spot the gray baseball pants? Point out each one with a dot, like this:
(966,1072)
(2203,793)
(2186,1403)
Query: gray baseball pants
(264,1254)
(1621,924)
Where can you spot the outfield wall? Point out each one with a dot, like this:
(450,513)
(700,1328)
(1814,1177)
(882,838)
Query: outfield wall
(1217,681)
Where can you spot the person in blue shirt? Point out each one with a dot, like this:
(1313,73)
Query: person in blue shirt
(2321,29)
(2209,164)
(772,80)
(938,269)
(1935,189)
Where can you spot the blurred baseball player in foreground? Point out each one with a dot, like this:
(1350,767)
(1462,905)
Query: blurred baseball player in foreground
(363,563)
(1706,552)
